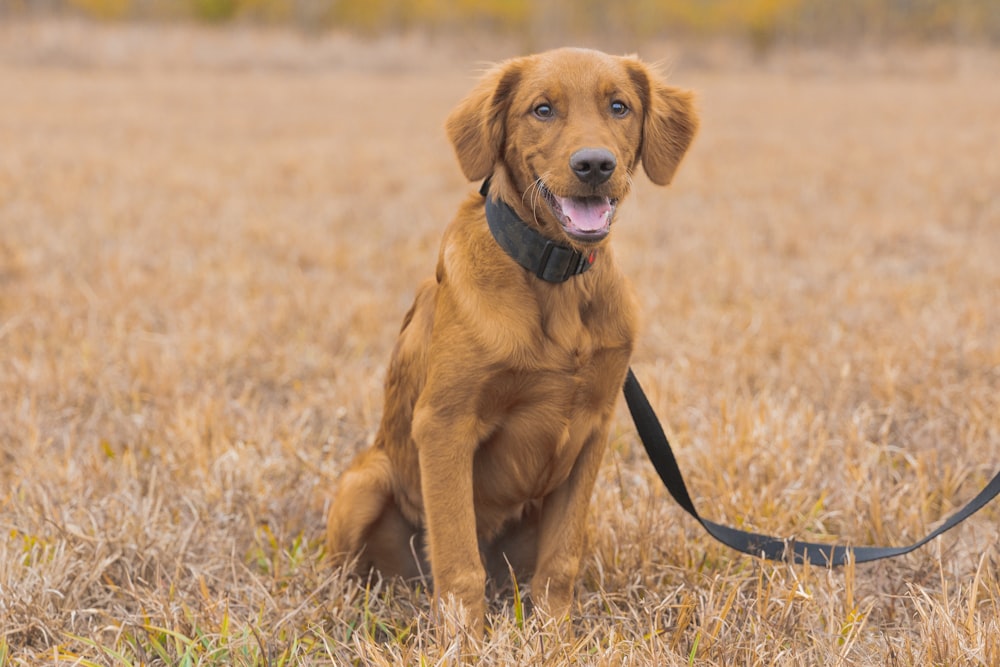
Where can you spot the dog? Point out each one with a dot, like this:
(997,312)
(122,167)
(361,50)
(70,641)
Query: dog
(501,387)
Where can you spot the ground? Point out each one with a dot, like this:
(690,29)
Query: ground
(208,240)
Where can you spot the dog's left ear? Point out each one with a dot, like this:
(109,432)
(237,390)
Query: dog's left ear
(669,124)
(476,126)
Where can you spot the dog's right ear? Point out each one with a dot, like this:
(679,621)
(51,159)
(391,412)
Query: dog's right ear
(476,126)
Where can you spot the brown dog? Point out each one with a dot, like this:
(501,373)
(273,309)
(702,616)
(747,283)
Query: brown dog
(501,387)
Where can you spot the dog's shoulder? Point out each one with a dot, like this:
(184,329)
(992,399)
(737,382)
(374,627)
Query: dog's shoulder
(480,289)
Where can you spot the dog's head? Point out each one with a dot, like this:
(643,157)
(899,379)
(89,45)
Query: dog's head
(562,132)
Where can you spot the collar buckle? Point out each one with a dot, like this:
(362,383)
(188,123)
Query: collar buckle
(543,261)
(558,263)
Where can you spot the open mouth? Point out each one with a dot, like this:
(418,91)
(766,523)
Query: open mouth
(583,218)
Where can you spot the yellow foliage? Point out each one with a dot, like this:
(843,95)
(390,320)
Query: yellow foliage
(714,15)
(762,21)
(762,13)
(377,14)
(270,11)
(510,13)
(103,9)
(215,10)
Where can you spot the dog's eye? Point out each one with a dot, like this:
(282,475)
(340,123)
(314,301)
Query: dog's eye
(543,111)
(619,108)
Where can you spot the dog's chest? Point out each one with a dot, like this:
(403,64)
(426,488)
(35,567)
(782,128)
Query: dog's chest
(572,332)
(543,419)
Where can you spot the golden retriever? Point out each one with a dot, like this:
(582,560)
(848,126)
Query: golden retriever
(501,387)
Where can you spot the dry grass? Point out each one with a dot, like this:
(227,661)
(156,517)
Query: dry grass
(203,265)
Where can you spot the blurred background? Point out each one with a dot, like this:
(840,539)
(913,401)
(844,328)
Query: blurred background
(213,216)
(760,24)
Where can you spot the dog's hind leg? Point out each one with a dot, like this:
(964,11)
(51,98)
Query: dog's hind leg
(364,521)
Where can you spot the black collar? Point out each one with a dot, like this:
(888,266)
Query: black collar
(550,261)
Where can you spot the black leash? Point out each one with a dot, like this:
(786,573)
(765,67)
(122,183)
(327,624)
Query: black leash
(555,263)
(766,546)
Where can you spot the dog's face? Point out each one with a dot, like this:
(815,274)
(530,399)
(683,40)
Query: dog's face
(562,132)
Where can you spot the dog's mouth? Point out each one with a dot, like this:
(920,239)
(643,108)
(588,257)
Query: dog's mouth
(585,219)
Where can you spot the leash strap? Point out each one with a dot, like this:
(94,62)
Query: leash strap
(765,546)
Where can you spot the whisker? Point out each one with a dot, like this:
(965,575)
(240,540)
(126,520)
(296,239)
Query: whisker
(532,186)
(536,188)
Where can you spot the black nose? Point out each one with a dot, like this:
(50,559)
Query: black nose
(593,166)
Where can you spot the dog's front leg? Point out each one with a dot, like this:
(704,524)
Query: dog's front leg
(446,446)
(562,531)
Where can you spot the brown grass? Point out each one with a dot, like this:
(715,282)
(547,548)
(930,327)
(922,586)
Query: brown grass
(205,255)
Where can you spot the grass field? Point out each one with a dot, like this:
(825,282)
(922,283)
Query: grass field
(207,244)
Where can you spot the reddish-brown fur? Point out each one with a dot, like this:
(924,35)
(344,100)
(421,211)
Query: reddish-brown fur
(500,389)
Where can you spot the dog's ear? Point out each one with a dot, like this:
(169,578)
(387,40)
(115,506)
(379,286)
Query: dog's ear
(669,124)
(476,126)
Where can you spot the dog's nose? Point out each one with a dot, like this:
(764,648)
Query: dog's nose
(593,166)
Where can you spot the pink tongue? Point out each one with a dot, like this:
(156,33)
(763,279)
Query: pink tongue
(590,214)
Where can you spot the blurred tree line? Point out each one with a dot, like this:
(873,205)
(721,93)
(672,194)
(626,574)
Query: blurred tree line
(763,22)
